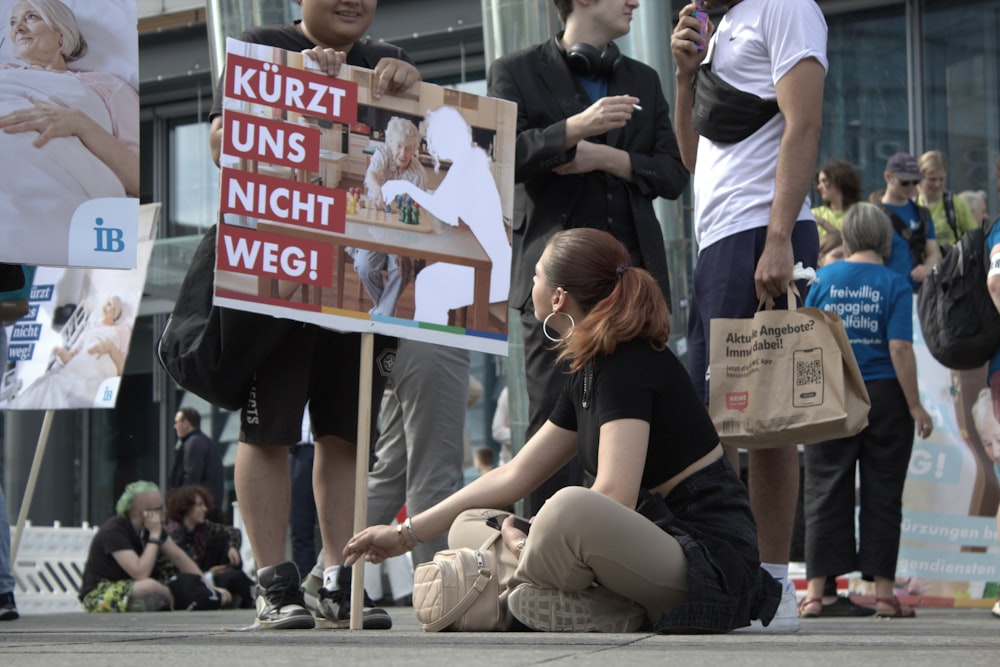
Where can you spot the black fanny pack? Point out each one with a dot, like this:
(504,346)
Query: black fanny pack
(726,114)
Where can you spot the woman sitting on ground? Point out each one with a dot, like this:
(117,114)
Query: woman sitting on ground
(664,539)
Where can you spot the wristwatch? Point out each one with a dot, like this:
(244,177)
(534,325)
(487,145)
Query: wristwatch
(157,542)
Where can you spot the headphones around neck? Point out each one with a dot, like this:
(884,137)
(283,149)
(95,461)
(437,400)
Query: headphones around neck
(584,59)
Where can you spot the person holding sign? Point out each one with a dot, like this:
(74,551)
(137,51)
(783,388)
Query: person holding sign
(876,305)
(665,538)
(310,364)
(586,156)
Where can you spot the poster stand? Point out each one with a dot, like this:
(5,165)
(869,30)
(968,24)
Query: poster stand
(361,474)
(29,489)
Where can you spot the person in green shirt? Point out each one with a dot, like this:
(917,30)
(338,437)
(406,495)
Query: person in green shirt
(952,215)
(839,186)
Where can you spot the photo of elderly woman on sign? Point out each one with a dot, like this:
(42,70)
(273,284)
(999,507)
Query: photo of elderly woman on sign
(664,539)
(467,193)
(67,135)
(95,351)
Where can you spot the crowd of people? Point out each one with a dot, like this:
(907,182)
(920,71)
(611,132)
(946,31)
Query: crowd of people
(639,518)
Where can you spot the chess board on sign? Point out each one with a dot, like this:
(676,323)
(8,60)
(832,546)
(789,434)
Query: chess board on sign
(378,216)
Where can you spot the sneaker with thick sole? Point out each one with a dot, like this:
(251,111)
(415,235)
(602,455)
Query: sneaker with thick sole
(595,609)
(785,621)
(279,603)
(335,611)
(310,591)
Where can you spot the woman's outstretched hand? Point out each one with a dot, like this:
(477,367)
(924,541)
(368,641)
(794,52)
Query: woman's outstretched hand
(374,544)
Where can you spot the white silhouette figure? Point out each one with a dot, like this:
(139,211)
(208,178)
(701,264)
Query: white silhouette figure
(467,192)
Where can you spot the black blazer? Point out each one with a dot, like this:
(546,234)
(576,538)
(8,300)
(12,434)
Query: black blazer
(546,92)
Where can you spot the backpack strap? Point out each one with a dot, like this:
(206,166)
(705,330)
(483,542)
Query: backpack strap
(949,211)
(485,575)
(916,240)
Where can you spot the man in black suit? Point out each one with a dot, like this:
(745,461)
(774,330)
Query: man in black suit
(594,149)
(197,460)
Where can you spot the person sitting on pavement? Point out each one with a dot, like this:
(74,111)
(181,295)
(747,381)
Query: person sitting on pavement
(120,572)
(215,548)
(665,538)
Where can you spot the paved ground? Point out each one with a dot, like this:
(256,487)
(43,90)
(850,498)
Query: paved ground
(949,637)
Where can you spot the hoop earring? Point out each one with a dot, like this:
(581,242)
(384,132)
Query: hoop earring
(545,326)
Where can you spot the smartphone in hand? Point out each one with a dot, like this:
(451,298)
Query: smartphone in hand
(702,17)
(496,521)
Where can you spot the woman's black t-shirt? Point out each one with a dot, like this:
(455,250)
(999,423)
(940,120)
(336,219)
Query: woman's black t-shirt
(638,382)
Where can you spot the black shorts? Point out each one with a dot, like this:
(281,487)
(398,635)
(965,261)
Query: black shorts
(319,366)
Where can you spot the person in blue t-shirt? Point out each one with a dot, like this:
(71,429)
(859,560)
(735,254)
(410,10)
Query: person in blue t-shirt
(993,282)
(901,178)
(876,305)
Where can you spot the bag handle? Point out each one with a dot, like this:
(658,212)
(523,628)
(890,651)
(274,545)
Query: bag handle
(485,575)
(767,301)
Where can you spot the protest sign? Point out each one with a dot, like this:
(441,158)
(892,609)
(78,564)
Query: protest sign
(949,545)
(389,216)
(69,177)
(70,349)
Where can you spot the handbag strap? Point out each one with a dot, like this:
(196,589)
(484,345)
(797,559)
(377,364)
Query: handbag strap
(485,575)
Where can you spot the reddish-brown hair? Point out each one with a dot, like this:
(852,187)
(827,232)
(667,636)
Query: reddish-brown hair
(182,499)
(621,302)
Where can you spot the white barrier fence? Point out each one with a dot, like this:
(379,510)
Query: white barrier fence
(48,569)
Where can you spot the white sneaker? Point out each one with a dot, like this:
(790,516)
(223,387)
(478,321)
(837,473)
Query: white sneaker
(996,609)
(595,609)
(785,621)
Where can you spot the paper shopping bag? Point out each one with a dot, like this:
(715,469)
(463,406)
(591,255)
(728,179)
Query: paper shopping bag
(784,377)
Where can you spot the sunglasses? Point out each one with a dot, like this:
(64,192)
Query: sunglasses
(907,184)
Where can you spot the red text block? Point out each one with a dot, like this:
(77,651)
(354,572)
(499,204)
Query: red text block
(281,200)
(256,253)
(271,141)
(292,89)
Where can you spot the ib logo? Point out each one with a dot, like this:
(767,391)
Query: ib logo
(103,233)
(109,239)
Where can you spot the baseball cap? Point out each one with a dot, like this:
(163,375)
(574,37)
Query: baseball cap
(904,166)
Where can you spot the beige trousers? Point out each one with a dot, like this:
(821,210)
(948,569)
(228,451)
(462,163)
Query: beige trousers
(580,538)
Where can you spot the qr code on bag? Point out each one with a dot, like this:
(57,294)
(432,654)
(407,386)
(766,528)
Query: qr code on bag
(808,372)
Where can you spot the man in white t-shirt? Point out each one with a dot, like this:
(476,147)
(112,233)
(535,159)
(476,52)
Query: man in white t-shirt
(751,206)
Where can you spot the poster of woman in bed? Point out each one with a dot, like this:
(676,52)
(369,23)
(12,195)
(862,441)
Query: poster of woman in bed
(69,133)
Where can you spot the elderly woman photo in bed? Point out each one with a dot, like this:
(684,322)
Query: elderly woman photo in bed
(81,367)
(67,136)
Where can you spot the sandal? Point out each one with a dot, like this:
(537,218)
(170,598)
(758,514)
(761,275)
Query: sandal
(898,610)
(805,602)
